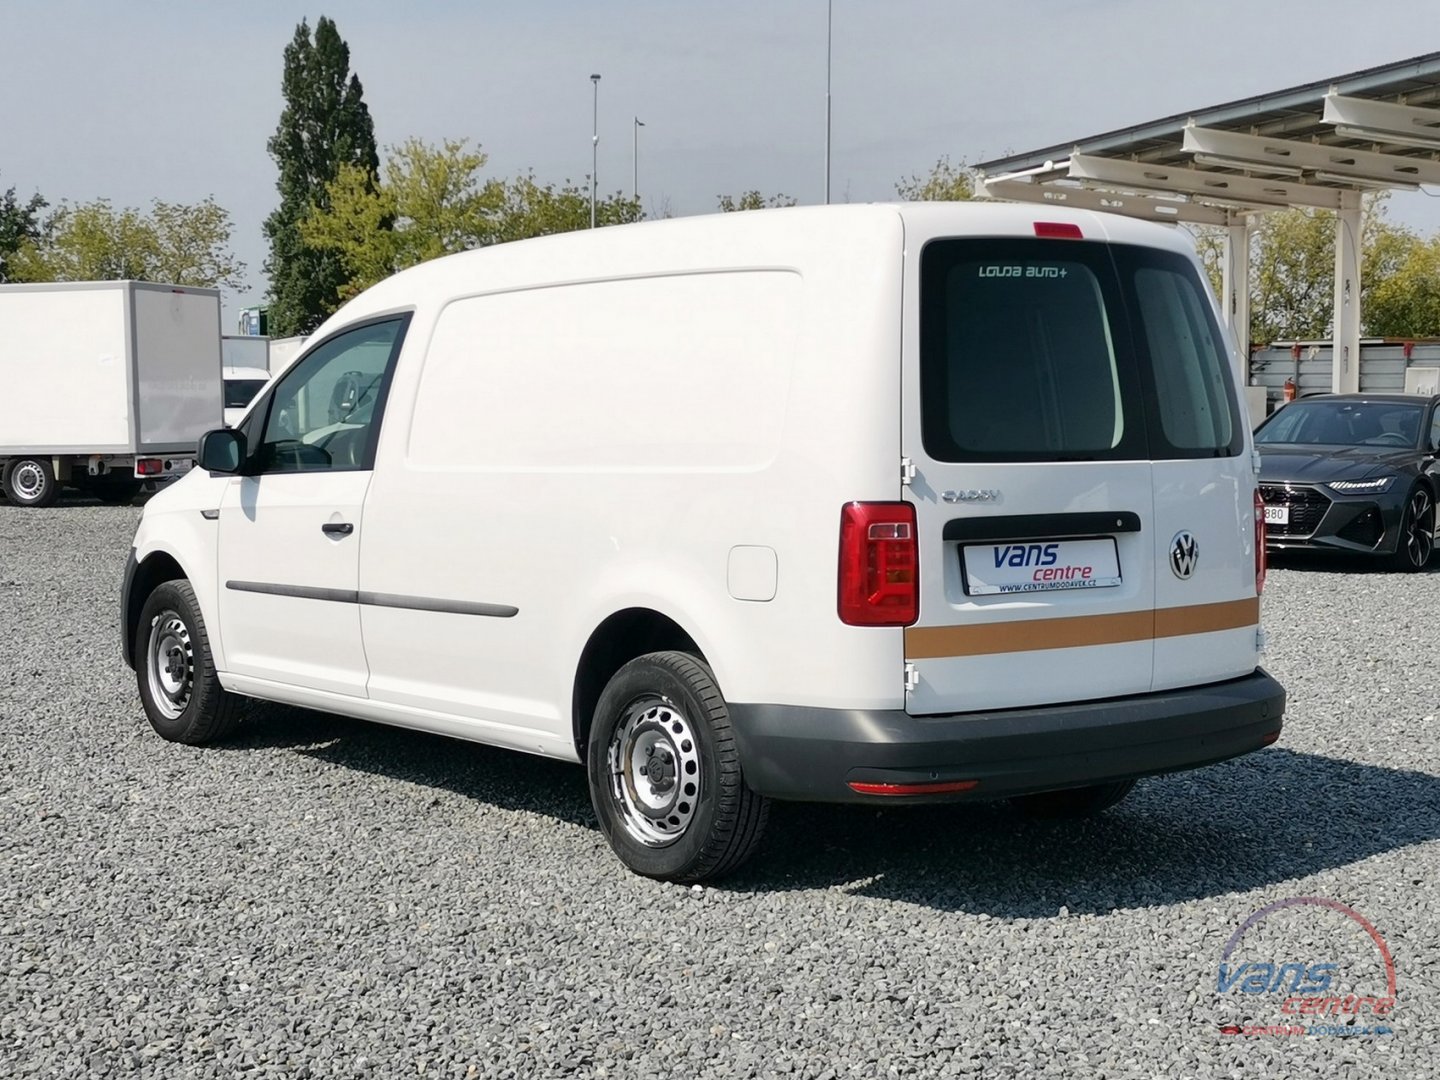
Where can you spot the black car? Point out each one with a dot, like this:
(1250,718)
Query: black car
(1353,472)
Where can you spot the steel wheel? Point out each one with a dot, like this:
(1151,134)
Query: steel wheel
(1417,541)
(27,481)
(31,482)
(654,766)
(170,657)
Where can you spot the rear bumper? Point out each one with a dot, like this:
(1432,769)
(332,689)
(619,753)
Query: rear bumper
(813,755)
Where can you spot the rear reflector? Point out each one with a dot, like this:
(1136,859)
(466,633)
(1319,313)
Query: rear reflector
(1058,230)
(879,565)
(1259,543)
(939,788)
(1274,736)
(149,466)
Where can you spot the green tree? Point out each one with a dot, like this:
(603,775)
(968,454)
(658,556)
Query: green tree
(325,125)
(19,224)
(529,208)
(1292,275)
(945,182)
(433,201)
(753,200)
(1405,302)
(175,243)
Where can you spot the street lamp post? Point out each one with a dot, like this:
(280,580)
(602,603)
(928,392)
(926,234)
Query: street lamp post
(635,161)
(594,144)
(829,21)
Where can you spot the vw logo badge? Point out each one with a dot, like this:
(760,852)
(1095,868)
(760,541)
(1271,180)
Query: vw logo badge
(1184,554)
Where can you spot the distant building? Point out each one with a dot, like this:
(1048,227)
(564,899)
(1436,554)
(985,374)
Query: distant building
(254,322)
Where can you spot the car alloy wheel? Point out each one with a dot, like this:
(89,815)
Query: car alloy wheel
(1419,538)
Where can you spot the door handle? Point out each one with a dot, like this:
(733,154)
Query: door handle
(337,528)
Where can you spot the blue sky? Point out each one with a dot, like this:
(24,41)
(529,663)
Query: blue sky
(174,100)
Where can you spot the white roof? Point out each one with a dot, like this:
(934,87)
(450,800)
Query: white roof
(791,236)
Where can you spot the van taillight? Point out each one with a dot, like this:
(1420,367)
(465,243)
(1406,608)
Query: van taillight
(149,466)
(879,565)
(1259,543)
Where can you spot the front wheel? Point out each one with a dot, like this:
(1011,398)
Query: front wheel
(181,693)
(1077,802)
(31,482)
(665,774)
(1417,532)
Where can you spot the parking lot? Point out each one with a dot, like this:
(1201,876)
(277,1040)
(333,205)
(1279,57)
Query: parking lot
(322,897)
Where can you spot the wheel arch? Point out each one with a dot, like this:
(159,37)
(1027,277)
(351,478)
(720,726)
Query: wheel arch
(620,638)
(154,570)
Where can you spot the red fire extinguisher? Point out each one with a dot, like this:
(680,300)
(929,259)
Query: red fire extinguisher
(1289,390)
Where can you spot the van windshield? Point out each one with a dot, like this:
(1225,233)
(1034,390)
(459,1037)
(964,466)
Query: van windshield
(1063,350)
(240,392)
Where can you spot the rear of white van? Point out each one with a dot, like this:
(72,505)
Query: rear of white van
(1074,552)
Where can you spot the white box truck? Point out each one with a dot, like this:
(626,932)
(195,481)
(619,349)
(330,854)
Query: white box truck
(104,385)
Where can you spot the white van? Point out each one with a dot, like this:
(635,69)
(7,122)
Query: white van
(241,386)
(881,504)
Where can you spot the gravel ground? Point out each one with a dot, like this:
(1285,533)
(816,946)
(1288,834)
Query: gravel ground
(326,898)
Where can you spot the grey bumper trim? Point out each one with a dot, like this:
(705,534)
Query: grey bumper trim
(792,752)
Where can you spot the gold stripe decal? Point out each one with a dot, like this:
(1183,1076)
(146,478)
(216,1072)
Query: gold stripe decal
(1030,635)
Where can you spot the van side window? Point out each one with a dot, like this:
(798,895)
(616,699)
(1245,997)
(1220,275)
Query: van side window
(324,414)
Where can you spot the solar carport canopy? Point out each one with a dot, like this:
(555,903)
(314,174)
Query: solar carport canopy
(1317,146)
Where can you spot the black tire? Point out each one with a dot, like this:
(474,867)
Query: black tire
(1416,543)
(700,828)
(117,492)
(190,706)
(31,482)
(1080,802)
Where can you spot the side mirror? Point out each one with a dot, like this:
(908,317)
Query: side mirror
(221,451)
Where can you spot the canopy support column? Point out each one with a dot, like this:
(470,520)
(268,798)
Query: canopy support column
(1235,288)
(1349,224)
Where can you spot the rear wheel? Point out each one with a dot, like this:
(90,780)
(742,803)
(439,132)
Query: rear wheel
(1417,532)
(178,686)
(665,774)
(31,482)
(1073,802)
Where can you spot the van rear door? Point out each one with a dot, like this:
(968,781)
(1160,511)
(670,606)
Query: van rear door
(1030,420)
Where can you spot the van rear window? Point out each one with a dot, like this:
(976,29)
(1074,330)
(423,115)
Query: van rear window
(1057,350)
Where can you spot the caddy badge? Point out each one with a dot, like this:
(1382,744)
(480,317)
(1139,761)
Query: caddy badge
(972,495)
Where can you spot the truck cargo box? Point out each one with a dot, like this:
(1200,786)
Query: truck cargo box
(110,367)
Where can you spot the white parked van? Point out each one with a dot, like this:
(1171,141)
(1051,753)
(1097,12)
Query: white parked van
(241,386)
(882,503)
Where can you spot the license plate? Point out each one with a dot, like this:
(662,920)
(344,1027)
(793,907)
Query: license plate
(1277,515)
(1043,566)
